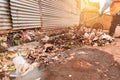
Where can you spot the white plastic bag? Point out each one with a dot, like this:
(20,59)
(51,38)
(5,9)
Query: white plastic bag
(19,61)
(104,5)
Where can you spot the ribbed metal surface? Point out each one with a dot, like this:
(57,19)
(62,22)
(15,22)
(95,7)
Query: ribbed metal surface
(59,13)
(25,14)
(5,22)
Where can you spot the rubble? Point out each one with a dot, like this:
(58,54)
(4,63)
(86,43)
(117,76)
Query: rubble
(45,39)
(50,49)
(3,43)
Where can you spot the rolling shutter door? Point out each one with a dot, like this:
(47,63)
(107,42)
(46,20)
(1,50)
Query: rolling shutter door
(5,21)
(59,13)
(25,14)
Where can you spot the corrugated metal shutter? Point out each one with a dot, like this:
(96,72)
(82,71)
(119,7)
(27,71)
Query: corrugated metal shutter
(25,14)
(5,21)
(59,13)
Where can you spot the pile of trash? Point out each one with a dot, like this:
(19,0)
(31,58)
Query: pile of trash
(76,37)
(52,49)
(22,36)
(65,37)
(3,43)
(52,46)
(42,56)
(97,39)
(18,38)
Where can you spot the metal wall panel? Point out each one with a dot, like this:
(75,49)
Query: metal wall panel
(59,13)
(25,14)
(5,21)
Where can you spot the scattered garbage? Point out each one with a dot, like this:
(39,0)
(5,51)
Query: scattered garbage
(3,43)
(19,63)
(18,38)
(67,38)
(98,39)
(50,49)
(45,39)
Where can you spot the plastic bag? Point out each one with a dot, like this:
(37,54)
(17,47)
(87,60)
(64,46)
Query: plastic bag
(104,5)
(19,62)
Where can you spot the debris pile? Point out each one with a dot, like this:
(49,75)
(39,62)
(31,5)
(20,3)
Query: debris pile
(52,47)
(65,37)
(45,55)
(76,37)
(22,36)
(3,43)
(98,39)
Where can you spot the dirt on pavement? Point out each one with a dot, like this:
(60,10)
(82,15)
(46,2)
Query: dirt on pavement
(87,64)
(113,49)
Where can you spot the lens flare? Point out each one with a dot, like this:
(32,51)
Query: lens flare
(94,0)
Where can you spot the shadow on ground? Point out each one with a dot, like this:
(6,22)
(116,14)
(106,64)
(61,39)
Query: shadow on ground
(87,64)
